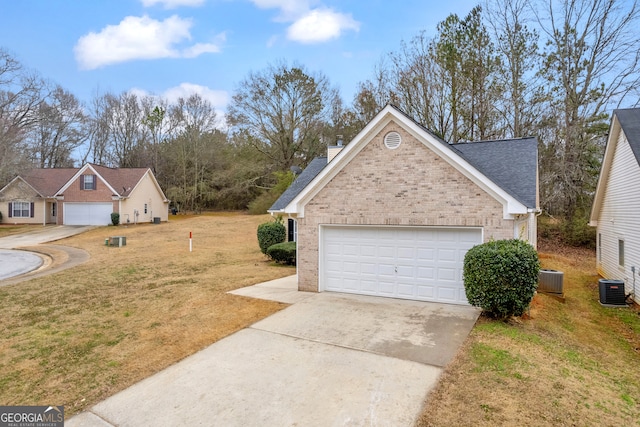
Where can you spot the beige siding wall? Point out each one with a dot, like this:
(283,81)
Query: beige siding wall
(145,193)
(409,186)
(620,219)
(21,192)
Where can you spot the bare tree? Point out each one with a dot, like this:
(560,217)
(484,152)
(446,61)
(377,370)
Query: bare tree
(59,128)
(21,92)
(192,151)
(517,45)
(282,111)
(591,64)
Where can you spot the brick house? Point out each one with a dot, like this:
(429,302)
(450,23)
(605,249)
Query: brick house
(83,196)
(394,212)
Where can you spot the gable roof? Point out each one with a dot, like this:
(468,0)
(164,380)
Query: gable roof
(506,169)
(50,182)
(299,184)
(47,182)
(122,180)
(628,121)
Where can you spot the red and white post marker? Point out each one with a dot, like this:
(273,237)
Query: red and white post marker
(190,241)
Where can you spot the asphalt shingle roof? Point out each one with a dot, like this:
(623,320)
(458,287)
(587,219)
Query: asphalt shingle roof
(47,182)
(307,175)
(510,163)
(629,119)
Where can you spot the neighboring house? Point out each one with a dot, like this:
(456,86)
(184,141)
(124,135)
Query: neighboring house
(395,211)
(83,196)
(616,206)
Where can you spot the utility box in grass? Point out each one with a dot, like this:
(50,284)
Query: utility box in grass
(118,241)
(551,282)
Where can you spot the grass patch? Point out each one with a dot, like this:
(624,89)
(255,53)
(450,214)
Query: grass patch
(9,229)
(571,363)
(78,336)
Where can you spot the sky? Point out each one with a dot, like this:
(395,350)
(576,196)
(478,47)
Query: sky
(173,48)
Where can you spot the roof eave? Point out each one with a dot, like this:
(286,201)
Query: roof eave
(511,206)
(605,168)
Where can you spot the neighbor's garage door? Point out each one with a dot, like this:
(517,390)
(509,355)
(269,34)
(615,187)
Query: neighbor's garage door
(400,262)
(87,213)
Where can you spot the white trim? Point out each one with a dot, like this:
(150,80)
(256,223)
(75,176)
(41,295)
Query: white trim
(511,206)
(605,169)
(23,180)
(80,173)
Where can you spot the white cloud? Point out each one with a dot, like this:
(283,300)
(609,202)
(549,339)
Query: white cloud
(138,38)
(172,4)
(309,24)
(289,9)
(321,25)
(218,98)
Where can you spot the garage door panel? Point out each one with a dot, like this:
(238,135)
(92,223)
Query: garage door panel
(87,213)
(447,274)
(425,292)
(446,294)
(425,273)
(401,262)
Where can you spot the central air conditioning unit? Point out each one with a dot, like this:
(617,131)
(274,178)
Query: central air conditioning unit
(612,292)
(551,281)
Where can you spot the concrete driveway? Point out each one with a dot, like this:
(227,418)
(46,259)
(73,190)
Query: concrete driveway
(14,263)
(327,360)
(42,234)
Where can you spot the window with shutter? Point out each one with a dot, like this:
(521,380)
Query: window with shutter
(21,210)
(88,182)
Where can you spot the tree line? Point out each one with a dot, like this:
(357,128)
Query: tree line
(553,69)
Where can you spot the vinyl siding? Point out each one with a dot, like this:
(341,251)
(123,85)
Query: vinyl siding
(145,193)
(620,219)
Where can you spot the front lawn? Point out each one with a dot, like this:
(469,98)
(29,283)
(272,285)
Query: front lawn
(78,336)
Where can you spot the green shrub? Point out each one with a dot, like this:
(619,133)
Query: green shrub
(271,233)
(115,218)
(501,277)
(283,252)
(0,216)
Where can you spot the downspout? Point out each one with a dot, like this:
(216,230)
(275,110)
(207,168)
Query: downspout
(533,226)
(44,213)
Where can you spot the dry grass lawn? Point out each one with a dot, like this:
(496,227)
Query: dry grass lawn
(78,336)
(9,229)
(568,364)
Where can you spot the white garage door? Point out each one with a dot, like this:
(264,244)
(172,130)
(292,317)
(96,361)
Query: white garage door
(400,262)
(87,213)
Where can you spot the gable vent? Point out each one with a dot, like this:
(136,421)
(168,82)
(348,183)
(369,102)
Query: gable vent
(392,140)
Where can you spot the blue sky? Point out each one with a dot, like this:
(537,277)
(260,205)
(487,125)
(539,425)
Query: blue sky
(175,47)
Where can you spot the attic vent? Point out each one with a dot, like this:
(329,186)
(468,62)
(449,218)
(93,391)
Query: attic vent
(392,140)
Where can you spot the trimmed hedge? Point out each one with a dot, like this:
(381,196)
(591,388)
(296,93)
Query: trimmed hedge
(271,233)
(115,218)
(501,277)
(283,252)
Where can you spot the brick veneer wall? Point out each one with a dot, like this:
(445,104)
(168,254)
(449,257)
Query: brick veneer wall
(73,193)
(409,186)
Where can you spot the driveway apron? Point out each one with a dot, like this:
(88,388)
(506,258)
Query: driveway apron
(327,360)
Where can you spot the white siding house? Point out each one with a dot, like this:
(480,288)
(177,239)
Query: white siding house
(616,207)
